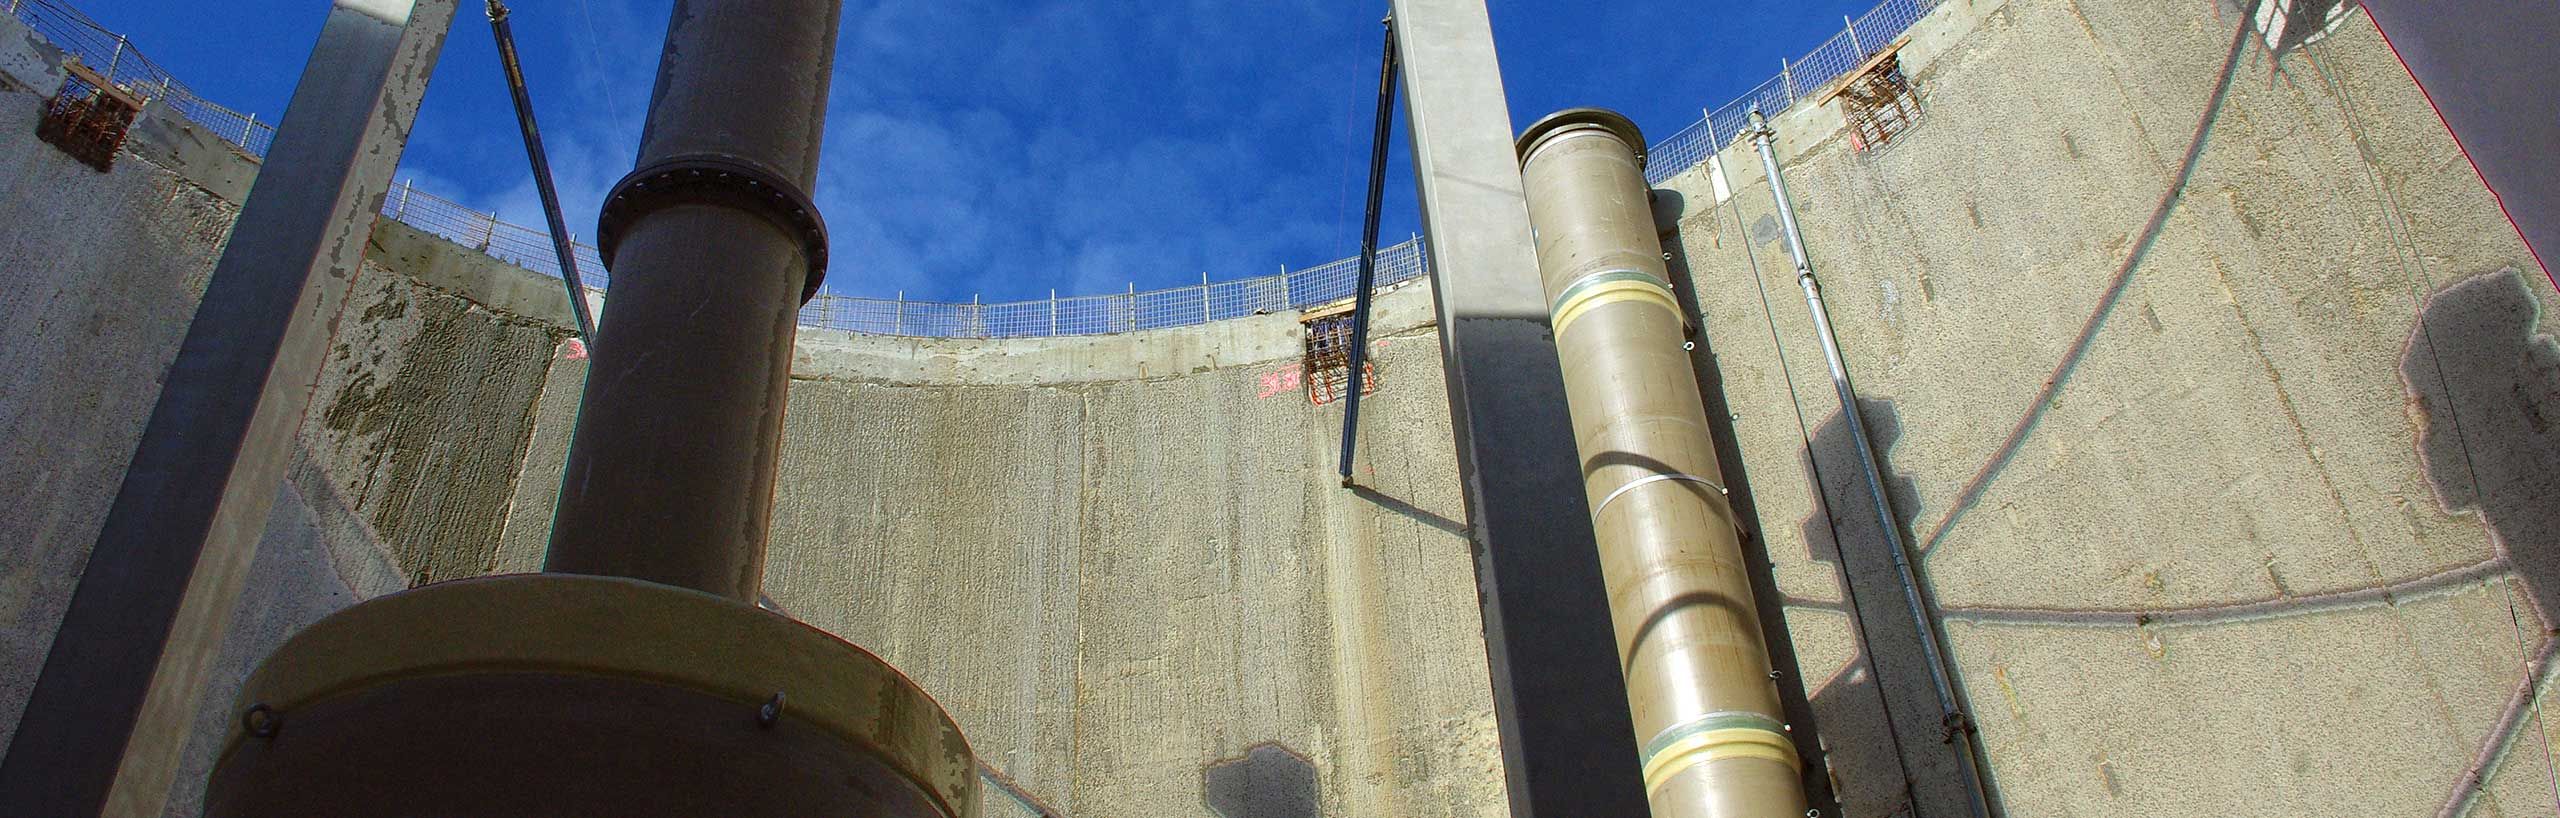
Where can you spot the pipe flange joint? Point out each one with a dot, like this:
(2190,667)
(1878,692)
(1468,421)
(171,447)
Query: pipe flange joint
(1714,737)
(704,178)
(1577,119)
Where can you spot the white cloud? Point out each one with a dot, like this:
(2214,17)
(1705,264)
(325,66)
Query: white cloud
(998,148)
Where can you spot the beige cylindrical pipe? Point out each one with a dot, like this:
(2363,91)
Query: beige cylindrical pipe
(1713,739)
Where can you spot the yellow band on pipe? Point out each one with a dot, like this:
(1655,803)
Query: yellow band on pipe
(1718,745)
(1610,293)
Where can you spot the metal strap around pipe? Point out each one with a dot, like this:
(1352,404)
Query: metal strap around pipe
(1654,478)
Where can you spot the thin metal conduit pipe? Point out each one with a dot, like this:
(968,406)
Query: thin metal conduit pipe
(1713,737)
(1362,295)
(560,243)
(1958,723)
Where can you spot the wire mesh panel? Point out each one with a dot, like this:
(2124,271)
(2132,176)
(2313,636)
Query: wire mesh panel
(1798,80)
(125,67)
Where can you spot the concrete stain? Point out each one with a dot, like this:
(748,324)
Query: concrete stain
(437,468)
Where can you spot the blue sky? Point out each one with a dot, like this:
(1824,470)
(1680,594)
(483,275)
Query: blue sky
(1005,148)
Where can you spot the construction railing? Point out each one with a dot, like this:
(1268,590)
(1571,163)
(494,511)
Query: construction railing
(1797,80)
(114,57)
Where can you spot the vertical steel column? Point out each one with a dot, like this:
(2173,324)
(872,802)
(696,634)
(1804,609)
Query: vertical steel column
(1712,729)
(1558,695)
(117,698)
(714,245)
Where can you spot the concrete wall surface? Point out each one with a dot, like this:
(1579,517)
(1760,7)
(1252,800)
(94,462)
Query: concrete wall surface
(408,455)
(2248,511)
(1127,569)
(1122,561)
(2234,477)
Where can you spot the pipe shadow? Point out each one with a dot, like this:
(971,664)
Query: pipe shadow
(1765,599)
(1897,750)
(1408,510)
(2484,390)
(1269,781)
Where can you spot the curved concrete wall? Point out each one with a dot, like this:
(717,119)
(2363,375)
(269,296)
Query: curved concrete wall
(2224,517)
(2242,515)
(1124,564)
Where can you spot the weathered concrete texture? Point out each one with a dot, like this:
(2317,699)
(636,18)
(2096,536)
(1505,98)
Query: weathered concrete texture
(318,556)
(2170,480)
(1133,564)
(411,448)
(424,415)
(99,273)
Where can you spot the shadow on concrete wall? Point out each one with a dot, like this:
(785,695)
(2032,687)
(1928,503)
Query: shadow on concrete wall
(1408,510)
(1892,748)
(1270,781)
(1765,597)
(2484,389)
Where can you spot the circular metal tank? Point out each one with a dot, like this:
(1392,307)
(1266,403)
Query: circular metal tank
(559,695)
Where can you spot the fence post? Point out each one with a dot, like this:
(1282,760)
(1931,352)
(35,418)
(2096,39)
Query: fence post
(403,209)
(978,315)
(1053,310)
(1285,299)
(1853,36)
(1133,306)
(1787,80)
(115,59)
(898,317)
(1204,296)
(489,235)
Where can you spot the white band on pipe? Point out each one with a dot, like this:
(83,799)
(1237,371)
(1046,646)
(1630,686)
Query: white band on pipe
(1654,478)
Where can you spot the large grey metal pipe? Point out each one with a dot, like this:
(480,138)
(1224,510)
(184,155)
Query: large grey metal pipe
(562,694)
(1707,714)
(713,245)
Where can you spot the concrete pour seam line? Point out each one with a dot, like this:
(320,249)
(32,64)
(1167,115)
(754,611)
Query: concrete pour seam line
(2054,383)
(2425,587)
(1654,478)
(2495,748)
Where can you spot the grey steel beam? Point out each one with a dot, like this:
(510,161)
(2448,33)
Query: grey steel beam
(1568,745)
(117,696)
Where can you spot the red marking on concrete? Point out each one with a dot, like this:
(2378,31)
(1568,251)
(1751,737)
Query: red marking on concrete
(1285,380)
(573,349)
